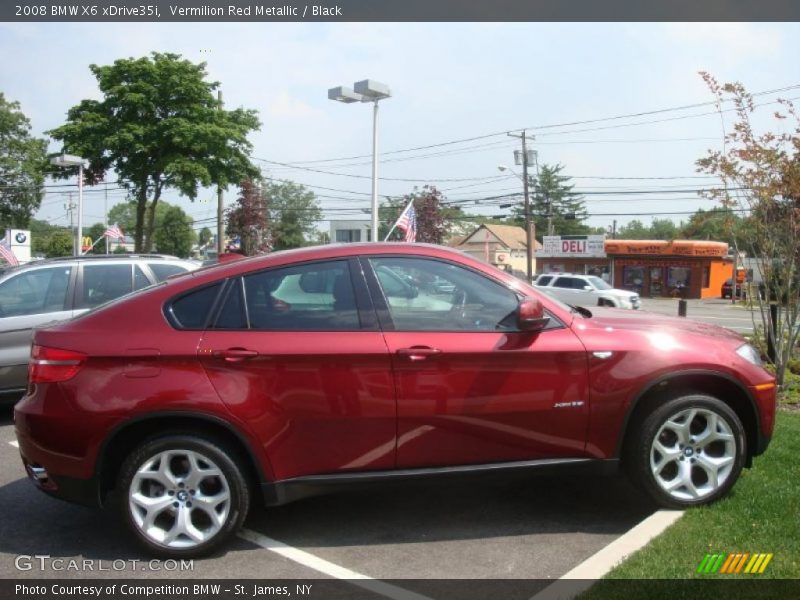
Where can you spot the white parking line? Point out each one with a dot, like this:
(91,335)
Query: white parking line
(328,568)
(14,443)
(582,577)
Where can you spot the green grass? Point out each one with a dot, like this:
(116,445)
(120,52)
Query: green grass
(761,514)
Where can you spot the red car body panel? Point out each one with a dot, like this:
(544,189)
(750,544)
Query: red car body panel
(330,402)
(489,397)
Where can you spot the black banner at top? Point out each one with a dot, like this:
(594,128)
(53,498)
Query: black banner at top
(398,10)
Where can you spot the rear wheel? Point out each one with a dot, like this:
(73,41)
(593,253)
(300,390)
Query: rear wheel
(182,495)
(689,451)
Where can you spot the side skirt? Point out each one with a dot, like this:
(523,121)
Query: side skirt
(288,490)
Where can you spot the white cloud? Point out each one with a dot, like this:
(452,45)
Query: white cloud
(283,105)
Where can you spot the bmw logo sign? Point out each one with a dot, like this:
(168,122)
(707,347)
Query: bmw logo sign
(20,237)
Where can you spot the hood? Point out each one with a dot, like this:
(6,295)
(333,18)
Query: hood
(620,319)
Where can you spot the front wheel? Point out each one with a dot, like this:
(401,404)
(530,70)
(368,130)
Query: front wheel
(689,451)
(182,495)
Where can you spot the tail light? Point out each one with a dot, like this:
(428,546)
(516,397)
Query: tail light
(50,365)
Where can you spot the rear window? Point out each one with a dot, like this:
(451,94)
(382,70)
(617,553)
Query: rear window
(164,270)
(191,310)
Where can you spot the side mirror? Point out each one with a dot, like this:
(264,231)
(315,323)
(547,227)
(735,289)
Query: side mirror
(530,315)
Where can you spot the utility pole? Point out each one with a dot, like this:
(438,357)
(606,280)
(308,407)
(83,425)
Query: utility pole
(220,203)
(614,230)
(529,238)
(70,208)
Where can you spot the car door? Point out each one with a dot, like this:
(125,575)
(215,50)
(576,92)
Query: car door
(470,388)
(31,298)
(296,353)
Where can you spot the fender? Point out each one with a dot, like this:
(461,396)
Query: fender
(666,378)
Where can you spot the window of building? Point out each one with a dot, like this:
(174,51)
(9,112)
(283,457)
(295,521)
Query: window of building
(348,235)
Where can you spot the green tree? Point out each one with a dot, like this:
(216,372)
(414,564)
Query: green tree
(634,230)
(552,199)
(715,225)
(205,236)
(124,215)
(664,229)
(247,219)
(436,221)
(293,214)
(159,126)
(175,234)
(23,162)
(761,176)
(59,243)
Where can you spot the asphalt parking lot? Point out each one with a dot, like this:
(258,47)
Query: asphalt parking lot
(712,310)
(521,528)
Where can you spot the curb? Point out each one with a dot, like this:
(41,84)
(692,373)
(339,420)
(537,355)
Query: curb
(582,577)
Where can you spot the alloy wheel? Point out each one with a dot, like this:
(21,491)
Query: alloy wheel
(179,499)
(693,454)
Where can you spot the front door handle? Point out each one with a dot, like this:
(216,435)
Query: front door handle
(418,353)
(235,354)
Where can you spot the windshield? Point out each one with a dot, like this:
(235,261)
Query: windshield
(598,283)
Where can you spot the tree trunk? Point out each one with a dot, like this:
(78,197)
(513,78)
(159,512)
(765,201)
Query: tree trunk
(151,219)
(141,205)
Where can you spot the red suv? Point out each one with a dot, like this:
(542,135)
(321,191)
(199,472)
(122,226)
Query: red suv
(289,374)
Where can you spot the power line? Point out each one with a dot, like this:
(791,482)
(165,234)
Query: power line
(554,126)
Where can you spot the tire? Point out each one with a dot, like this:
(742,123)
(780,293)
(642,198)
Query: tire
(183,495)
(688,451)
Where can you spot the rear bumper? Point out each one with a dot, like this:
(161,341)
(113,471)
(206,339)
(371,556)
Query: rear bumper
(54,473)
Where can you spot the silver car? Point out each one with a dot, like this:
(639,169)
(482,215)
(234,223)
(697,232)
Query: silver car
(54,290)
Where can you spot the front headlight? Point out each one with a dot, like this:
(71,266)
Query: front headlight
(750,354)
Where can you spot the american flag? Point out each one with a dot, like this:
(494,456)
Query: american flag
(7,253)
(114,232)
(408,223)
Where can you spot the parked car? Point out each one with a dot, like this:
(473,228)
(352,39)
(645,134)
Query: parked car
(726,291)
(192,399)
(586,290)
(54,290)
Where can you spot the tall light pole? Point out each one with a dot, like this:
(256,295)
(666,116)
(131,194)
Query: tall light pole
(373,91)
(68,160)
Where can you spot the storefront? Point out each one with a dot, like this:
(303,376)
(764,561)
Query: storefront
(678,269)
(582,254)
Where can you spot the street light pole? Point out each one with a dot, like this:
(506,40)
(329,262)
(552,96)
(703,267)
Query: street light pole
(67,160)
(375,170)
(373,91)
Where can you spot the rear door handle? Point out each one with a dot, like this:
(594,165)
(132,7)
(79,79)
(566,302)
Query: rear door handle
(418,353)
(235,354)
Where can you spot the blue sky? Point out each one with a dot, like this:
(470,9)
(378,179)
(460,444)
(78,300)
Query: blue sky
(449,82)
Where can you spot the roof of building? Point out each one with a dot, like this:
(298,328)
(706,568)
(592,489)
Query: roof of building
(511,236)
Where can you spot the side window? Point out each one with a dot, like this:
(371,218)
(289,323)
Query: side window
(562,282)
(102,283)
(191,310)
(232,315)
(312,297)
(543,279)
(438,296)
(140,280)
(35,292)
(164,270)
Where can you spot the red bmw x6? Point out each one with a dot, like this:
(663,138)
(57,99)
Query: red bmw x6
(285,375)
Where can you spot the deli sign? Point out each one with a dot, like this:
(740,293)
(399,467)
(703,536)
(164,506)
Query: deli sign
(573,246)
